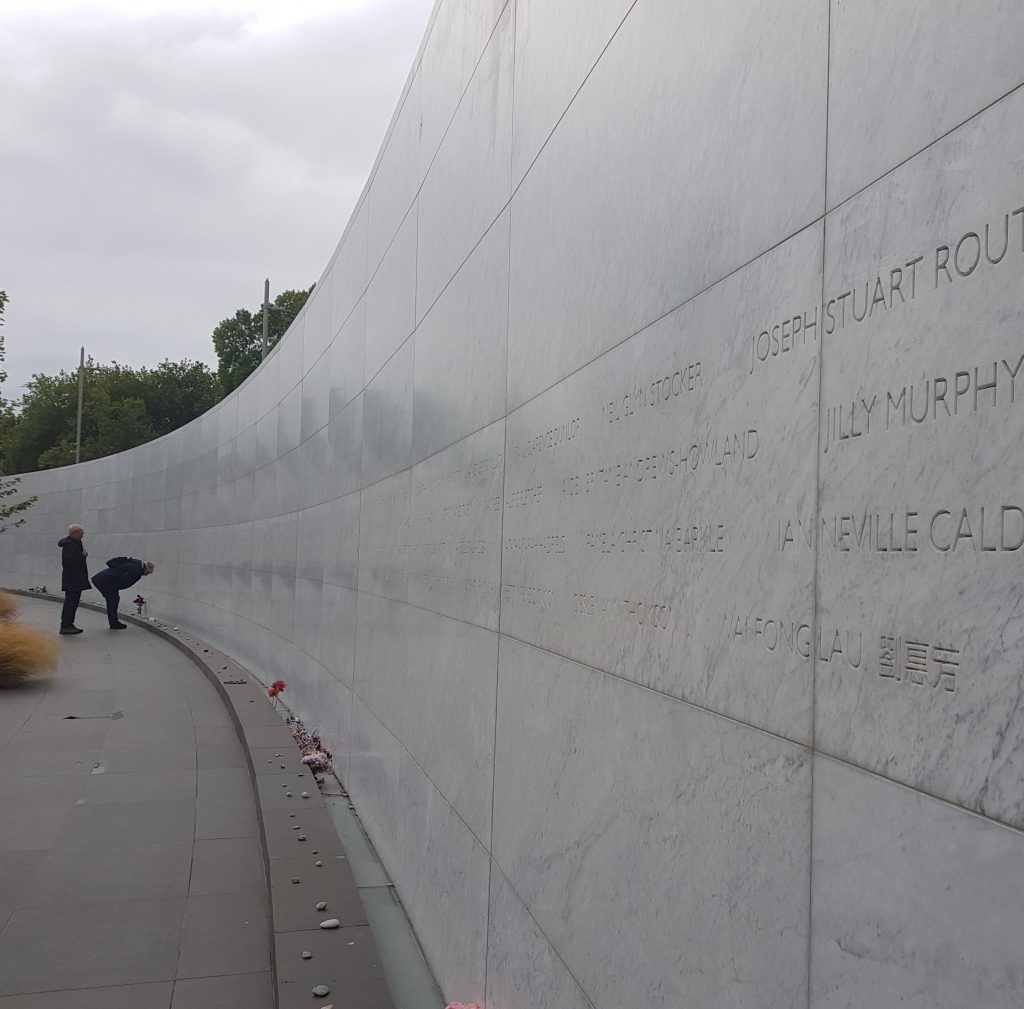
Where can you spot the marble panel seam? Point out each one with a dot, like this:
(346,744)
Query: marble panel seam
(536,924)
(936,140)
(994,821)
(462,94)
(420,768)
(569,104)
(664,315)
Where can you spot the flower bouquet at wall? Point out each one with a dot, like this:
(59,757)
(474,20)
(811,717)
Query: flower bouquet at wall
(314,755)
(25,651)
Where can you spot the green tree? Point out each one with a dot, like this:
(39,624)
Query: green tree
(238,340)
(9,510)
(122,407)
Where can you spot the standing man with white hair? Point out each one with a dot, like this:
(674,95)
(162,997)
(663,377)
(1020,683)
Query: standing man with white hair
(74,579)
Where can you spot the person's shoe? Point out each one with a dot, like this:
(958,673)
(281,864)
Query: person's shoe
(119,627)
(71,629)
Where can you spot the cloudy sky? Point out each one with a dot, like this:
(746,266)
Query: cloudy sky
(159,158)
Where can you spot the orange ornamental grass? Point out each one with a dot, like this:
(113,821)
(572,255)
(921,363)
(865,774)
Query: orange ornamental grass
(8,605)
(25,652)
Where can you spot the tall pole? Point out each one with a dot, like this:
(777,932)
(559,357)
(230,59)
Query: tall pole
(78,427)
(266,315)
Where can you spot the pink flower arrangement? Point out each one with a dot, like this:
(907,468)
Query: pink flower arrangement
(319,761)
(276,687)
(314,754)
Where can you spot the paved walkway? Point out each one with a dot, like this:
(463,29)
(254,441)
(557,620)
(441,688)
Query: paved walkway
(131,872)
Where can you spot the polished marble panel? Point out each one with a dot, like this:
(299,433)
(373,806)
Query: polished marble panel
(387,418)
(915,903)
(920,523)
(663,850)
(450,55)
(523,969)
(453,541)
(396,177)
(459,381)
(638,532)
(391,299)
(469,181)
(946,60)
(558,43)
(678,93)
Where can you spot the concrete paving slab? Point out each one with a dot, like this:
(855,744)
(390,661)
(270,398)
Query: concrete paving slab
(85,945)
(266,759)
(26,830)
(134,823)
(317,828)
(223,783)
(101,875)
(17,762)
(226,754)
(284,791)
(140,786)
(235,991)
(295,903)
(356,982)
(17,871)
(225,934)
(228,865)
(136,996)
(134,761)
(226,818)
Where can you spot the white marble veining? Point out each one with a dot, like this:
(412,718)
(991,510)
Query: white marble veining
(916,904)
(459,381)
(663,850)
(680,92)
(945,60)
(469,181)
(453,543)
(636,522)
(921,532)
(606,492)
(523,969)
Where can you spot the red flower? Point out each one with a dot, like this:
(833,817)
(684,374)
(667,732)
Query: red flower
(279,685)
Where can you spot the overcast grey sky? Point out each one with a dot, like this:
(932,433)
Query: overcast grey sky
(159,158)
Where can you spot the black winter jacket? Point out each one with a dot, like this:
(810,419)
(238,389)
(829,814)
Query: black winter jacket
(120,573)
(75,572)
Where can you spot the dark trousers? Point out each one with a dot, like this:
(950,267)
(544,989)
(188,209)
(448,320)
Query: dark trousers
(72,597)
(113,601)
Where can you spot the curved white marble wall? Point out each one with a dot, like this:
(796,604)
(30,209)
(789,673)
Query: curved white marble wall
(633,509)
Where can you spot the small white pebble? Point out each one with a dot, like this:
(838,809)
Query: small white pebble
(330,923)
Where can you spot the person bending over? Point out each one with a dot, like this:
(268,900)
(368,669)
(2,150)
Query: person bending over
(120,573)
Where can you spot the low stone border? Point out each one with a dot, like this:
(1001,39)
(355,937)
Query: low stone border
(304,861)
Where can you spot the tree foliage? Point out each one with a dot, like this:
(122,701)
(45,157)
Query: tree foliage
(122,407)
(238,340)
(9,510)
